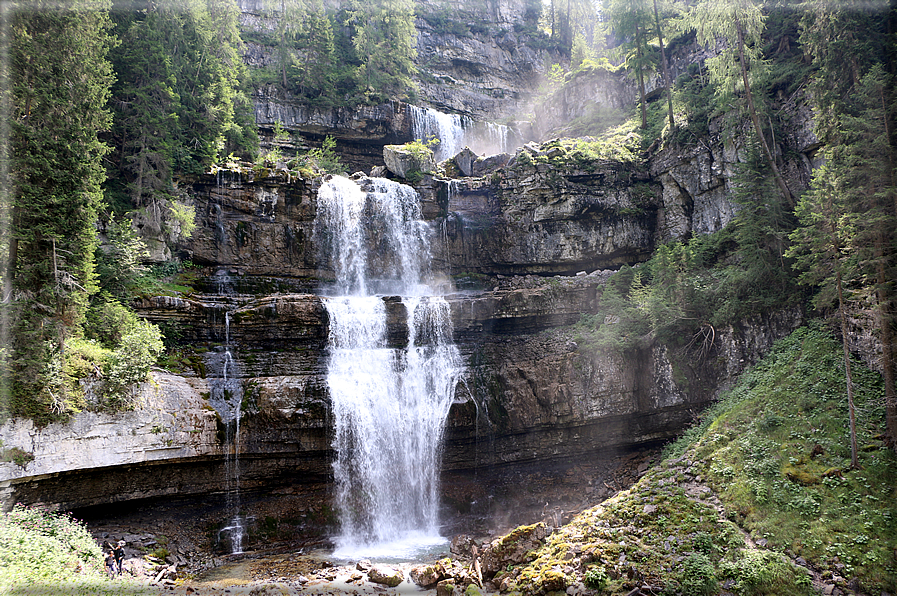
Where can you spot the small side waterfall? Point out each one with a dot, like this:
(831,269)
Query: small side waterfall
(226,397)
(390,398)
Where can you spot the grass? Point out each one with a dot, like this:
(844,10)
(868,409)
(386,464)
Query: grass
(43,552)
(762,480)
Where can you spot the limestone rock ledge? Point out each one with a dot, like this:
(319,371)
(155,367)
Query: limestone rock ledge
(172,423)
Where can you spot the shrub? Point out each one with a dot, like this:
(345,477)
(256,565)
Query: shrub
(698,576)
(596,578)
(130,362)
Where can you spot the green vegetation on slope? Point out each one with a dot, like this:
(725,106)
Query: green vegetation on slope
(768,465)
(43,552)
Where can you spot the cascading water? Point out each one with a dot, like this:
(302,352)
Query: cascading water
(427,123)
(226,397)
(455,132)
(390,402)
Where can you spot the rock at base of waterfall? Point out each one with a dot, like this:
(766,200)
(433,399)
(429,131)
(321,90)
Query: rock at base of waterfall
(381,574)
(462,545)
(445,588)
(512,549)
(402,161)
(427,575)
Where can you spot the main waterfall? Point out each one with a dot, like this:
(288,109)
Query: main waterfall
(390,396)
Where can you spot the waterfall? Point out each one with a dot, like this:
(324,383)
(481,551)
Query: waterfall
(390,397)
(226,396)
(455,132)
(427,123)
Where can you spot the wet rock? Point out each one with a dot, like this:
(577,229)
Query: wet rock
(363,565)
(387,576)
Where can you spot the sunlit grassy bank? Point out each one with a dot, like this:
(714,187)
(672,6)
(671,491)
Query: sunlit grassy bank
(758,498)
(48,553)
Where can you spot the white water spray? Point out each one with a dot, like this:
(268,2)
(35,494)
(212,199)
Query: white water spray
(390,399)
(427,123)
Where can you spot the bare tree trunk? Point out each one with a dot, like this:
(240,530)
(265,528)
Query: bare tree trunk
(854,460)
(641,76)
(666,70)
(756,120)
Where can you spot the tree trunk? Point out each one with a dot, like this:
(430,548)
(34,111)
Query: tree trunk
(854,460)
(663,63)
(641,76)
(756,120)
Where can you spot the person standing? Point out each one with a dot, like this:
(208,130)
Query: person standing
(119,553)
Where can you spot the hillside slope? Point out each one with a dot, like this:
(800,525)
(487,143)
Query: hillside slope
(758,498)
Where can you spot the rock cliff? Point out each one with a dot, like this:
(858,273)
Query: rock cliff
(519,239)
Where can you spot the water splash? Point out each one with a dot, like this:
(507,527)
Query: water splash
(390,401)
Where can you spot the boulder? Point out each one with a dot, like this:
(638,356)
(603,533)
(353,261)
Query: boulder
(462,545)
(489,164)
(512,549)
(381,574)
(465,160)
(401,161)
(427,575)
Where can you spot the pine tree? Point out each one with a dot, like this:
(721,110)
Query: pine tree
(630,21)
(856,107)
(60,81)
(820,251)
(740,23)
(384,40)
(315,65)
(178,89)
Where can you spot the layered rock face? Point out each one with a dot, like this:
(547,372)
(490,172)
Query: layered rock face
(476,59)
(534,390)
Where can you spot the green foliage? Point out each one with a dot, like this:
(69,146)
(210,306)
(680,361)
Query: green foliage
(384,42)
(782,424)
(764,573)
(183,219)
(178,94)
(130,363)
(596,578)
(120,262)
(698,576)
(326,158)
(56,173)
(47,552)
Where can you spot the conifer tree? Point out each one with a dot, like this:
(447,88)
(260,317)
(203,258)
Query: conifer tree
(384,40)
(820,251)
(630,21)
(314,67)
(740,24)
(177,93)
(60,81)
(856,107)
